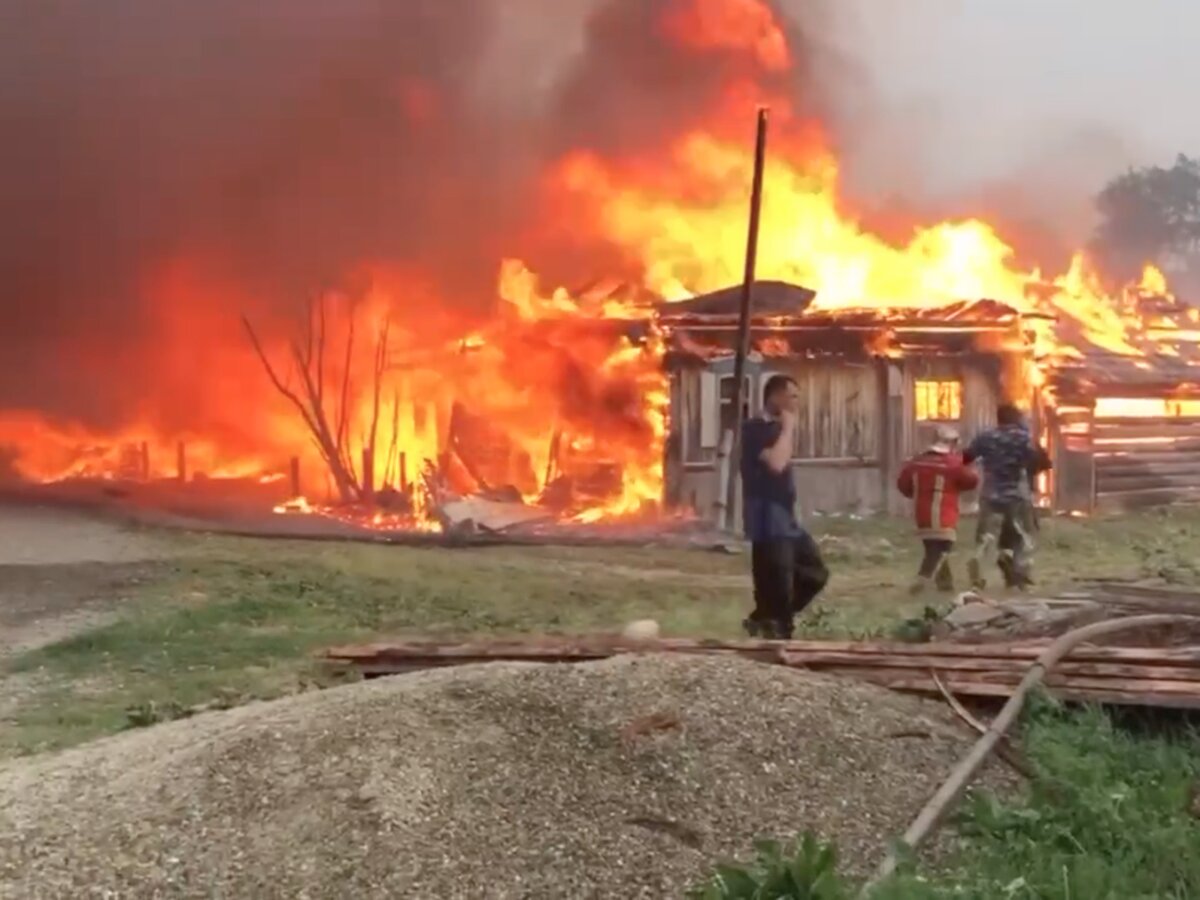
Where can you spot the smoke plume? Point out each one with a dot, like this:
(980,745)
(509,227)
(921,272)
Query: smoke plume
(167,164)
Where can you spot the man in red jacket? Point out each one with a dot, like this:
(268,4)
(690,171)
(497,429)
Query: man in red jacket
(933,480)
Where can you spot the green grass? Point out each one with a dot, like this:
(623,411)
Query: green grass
(1109,819)
(234,618)
(1110,816)
(246,618)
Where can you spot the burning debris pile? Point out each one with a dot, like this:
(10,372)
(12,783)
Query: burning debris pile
(553,411)
(397,404)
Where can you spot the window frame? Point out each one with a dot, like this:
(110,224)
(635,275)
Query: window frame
(956,404)
(748,405)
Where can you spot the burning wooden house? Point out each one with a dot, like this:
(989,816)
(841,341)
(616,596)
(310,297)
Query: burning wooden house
(1124,429)
(874,384)
(610,405)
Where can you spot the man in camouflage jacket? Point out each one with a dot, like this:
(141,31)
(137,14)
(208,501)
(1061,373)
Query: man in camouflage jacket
(1009,457)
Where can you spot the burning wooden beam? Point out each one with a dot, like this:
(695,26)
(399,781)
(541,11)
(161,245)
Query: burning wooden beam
(368,474)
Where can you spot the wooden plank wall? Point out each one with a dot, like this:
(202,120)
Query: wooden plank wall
(693,466)
(1074,474)
(896,415)
(980,399)
(857,428)
(839,440)
(981,393)
(1145,461)
(838,452)
(841,409)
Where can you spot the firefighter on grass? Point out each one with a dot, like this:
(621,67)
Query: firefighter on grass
(933,480)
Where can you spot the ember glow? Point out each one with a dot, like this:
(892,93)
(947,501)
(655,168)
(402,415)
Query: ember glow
(59,452)
(556,398)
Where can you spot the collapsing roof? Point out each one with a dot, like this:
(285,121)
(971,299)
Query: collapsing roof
(783,323)
(770,298)
(1166,361)
(1098,373)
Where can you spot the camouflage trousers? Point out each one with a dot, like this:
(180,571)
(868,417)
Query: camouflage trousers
(1006,529)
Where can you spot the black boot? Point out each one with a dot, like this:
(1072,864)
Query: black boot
(767,630)
(945,578)
(780,631)
(757,628)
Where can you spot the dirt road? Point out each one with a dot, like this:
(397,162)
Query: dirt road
(62,572)
(39,536)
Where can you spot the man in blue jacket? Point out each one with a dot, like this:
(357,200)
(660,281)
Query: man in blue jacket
(1010,459)
(785,560)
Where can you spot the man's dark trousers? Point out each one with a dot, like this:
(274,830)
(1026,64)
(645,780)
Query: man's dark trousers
(788,575)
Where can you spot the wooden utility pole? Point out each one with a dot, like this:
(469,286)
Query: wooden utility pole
(743,335)
(294,470)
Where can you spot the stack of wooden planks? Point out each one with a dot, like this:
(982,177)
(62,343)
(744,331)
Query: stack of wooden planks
(1140,676)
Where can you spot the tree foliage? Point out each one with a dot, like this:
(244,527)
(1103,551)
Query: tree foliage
(1150,214)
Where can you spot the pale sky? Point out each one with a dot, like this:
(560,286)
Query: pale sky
(999,81)
(954,97)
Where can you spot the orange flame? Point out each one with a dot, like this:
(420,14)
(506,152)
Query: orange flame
(729,24)
(552,389)
(688,235)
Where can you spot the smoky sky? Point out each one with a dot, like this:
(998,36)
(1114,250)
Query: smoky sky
(278,141)
(630,88)
(275,134)
(1022,109)
(281,143)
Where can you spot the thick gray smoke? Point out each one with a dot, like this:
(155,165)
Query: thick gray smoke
(280,140)
(278,144)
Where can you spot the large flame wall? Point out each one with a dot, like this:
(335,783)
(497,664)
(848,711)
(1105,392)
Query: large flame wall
(646,178)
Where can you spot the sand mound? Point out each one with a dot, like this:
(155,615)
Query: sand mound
(624,778)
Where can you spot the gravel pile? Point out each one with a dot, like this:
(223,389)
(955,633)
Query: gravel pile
(624,778)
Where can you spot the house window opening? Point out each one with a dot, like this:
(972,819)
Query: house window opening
(939,401)
(729,422)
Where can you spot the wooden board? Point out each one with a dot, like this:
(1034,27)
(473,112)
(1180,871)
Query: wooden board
(1148,676)
(592,647)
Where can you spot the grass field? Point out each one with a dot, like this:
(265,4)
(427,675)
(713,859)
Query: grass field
(223,621)
(233,619)
(1110,814)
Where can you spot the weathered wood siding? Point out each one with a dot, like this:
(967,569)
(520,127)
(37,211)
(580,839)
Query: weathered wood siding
(839,436)
(838,446)
(1145,461)
(857,426)
(980,396)
(1071,452)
